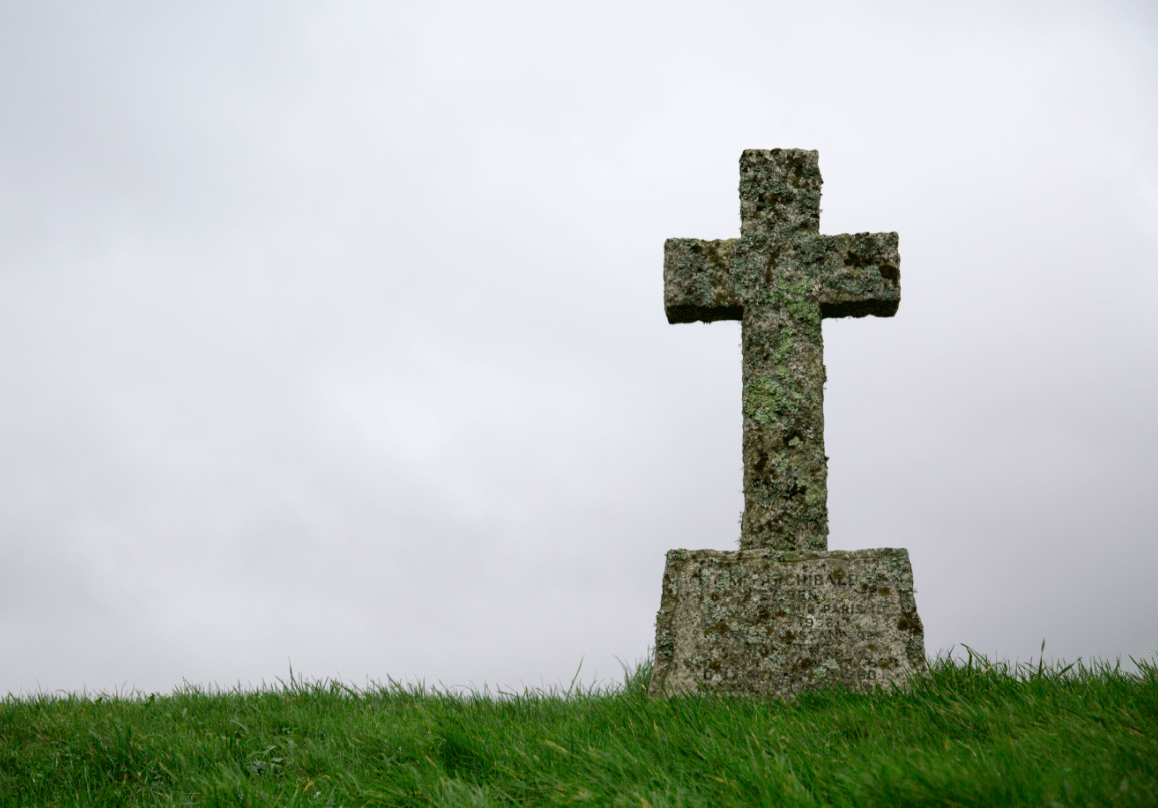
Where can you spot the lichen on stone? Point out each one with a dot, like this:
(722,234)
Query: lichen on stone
(767,623)
(783,614)
(780,278)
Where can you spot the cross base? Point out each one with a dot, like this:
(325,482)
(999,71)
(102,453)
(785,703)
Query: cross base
(773,623)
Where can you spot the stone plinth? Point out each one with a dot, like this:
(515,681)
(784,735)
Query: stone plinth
(772,623)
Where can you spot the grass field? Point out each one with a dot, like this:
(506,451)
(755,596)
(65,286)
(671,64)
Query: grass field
(972,733)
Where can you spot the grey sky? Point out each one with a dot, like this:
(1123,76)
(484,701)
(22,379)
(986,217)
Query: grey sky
(334,333)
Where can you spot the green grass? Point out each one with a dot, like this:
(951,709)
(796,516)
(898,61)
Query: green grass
(972,733)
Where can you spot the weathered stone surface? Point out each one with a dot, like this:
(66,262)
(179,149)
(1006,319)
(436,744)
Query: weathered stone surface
(780,278)
(782,614)
(772,623)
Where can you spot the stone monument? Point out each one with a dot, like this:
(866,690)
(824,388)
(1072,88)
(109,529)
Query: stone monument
(783,613)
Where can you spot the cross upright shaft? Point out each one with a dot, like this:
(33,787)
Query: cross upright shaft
(780,278)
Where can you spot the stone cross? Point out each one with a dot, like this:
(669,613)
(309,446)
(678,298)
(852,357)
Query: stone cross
(779,279)
(783,613)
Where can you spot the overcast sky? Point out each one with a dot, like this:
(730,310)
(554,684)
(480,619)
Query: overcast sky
(333,334)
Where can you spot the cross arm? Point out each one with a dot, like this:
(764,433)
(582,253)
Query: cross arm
(697,280)
(859,274)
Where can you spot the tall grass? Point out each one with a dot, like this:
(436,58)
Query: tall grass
(972,733)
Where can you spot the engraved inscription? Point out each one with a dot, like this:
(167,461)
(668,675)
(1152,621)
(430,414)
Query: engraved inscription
(780,623)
